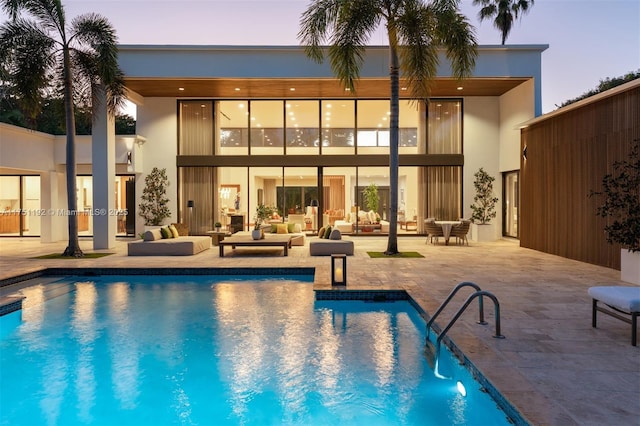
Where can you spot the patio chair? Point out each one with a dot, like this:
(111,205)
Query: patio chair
(434,231)
(460,231)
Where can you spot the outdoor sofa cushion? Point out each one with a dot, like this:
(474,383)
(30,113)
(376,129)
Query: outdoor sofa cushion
(181,246)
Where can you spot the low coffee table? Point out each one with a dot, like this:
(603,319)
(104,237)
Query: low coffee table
(217,236)
(245,240)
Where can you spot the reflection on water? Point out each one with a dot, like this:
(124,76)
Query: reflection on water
(227,352)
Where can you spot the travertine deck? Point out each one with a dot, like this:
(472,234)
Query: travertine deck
(552,366)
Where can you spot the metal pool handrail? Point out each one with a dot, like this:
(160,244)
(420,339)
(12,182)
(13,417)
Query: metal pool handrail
(448,299)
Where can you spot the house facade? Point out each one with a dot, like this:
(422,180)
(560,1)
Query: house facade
(239,126)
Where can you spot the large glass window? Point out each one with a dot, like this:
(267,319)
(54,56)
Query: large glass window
(338,127)
(445,126)
(232,127)
(412,121)
(373,127)
(302,127)
(267,127)
(196,128)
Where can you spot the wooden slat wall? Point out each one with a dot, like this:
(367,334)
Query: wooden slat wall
(567,156)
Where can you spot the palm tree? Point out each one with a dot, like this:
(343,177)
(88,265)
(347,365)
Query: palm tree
(503,11)
(417,32)
(44,51)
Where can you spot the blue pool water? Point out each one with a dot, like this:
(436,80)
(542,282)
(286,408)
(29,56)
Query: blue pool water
(208,350)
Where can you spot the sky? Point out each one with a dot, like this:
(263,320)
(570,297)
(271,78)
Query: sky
(589,40)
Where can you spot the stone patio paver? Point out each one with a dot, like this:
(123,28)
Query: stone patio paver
(552,366)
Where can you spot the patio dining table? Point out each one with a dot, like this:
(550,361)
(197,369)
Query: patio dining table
(446,228)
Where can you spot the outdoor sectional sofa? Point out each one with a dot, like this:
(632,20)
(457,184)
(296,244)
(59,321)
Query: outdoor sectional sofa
(153,244)
(333,245)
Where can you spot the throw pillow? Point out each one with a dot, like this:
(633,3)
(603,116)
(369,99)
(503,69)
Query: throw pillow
(282,228)
(165,233)
(321,232)
(174,231)
(148,236)
(327,233)
(291,227)
(274,228)
(335,235)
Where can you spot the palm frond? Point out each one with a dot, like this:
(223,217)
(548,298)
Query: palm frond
(316,25)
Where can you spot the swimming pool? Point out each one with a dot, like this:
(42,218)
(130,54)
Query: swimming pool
(138,350)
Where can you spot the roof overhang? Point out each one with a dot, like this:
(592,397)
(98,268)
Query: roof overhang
(286,72)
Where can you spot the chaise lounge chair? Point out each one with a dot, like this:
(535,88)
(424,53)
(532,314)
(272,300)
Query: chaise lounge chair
(621,302)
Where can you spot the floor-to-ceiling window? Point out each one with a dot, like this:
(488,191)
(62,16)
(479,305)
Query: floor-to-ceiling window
(20,211)
(268,132)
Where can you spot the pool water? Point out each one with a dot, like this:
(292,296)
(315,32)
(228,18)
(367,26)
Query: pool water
(210,350)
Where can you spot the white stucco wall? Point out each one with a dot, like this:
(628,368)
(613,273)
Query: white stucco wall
(15,142)
(516,107)
(157,122)
(481,149)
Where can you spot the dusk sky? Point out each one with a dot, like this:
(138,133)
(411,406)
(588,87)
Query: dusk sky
(589,40)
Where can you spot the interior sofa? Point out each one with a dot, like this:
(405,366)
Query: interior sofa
(153,244)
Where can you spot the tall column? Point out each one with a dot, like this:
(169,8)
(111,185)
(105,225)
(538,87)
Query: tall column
(103,159)
(53,200)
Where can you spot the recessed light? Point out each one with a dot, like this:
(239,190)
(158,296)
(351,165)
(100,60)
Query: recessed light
(346,89)
(293,89)
(237,89)
(403,88)
(181,89)
(459,87)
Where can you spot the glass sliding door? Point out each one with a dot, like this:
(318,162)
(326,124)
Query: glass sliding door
(20,211)
(511,203)
(372,216)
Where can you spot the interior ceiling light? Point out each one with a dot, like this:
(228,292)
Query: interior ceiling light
(237,89)
(181,89)
(459,87)
(293,89)
(403,88)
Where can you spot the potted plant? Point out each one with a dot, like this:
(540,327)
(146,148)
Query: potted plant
(153,205)
(621,206)
(371,197)
(217,225)
(261,215)
(483,207)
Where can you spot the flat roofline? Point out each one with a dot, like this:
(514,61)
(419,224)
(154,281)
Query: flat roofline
(510,47)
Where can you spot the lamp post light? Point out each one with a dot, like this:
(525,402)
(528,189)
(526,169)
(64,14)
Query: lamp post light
(338,270)
(190,204)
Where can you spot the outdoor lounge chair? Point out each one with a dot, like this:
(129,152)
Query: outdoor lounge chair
(621,302)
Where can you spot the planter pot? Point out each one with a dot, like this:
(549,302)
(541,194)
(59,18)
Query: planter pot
(152,227)
(630,266)
(483,233)
(257,234)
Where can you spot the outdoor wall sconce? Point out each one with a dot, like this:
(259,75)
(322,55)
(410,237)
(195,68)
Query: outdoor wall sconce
(524,152)
(338,269)
(129,158)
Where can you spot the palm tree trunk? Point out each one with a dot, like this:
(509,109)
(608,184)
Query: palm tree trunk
(73,249)
(394,160)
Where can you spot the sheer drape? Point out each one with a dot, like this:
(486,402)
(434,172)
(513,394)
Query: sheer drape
(333,192)
(445,127)
(197,184)
(196,128)
(444,193)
